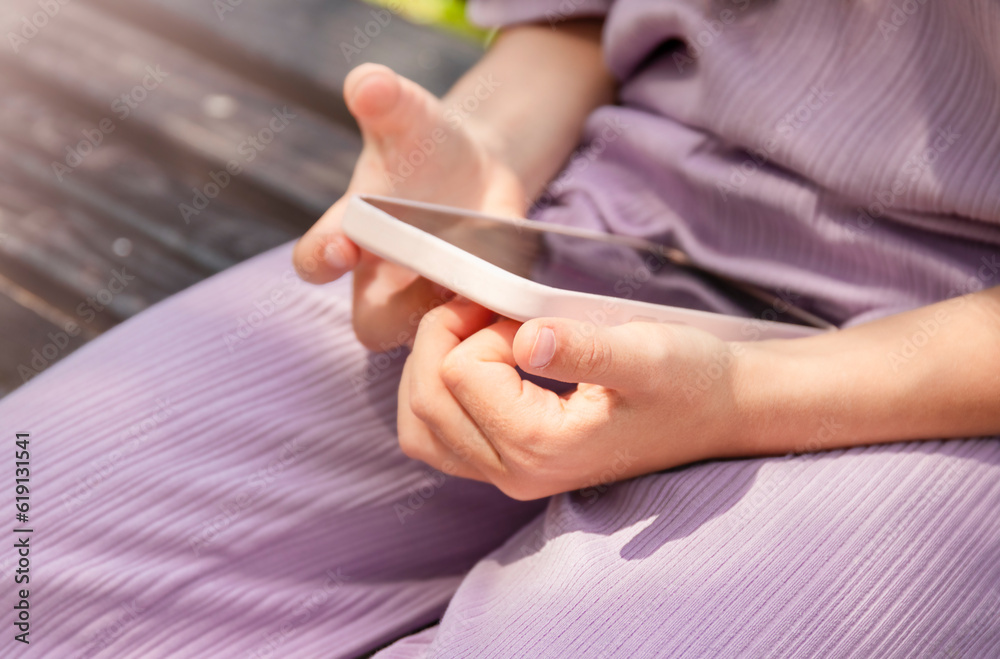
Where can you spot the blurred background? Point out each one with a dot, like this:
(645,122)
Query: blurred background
(148,144)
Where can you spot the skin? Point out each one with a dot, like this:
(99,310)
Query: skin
(652,396)
(496,160)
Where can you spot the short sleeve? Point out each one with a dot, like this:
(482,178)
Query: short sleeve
(498,13)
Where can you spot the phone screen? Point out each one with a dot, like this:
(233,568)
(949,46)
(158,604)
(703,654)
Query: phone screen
(583,261)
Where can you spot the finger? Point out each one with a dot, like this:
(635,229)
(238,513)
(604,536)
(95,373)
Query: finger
(390,301)
(448,325)
(480,373)
(624,357)
(430,400)
(324,253)
(418,442)
(385,104)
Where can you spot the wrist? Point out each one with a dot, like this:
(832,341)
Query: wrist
(506,152)
(529,97)
(763,418)
(794,397)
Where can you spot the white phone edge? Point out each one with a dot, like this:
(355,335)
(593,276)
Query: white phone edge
(521,299)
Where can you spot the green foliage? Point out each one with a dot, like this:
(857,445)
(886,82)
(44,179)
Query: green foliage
(446,14)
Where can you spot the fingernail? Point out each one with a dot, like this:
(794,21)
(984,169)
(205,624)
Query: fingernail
(361,83)
(382,102)
(333,254)
(544,348)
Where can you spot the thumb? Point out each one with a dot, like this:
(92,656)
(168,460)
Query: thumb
(572,351)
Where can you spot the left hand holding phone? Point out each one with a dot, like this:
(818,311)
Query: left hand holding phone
(398,120)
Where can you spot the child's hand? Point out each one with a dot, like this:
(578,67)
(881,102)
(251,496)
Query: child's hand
(661,395)
(415,147)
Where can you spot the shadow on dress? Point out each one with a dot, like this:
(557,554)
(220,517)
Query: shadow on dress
(674,504)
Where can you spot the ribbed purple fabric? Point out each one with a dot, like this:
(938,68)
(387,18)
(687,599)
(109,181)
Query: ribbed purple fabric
(885,551)
(219,476)
(198,498)
(845,151)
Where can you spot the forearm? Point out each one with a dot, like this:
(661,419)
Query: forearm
(531,95)
(933,372)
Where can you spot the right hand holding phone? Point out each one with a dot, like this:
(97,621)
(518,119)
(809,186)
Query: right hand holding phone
(416,149)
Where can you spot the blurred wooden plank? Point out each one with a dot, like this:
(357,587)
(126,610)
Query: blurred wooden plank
(134,182)
(26,335)
(61,235)
(65,234)
(310,43)
(194,107)
(57,250)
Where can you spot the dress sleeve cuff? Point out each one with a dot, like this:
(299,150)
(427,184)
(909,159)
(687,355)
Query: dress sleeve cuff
(500,13)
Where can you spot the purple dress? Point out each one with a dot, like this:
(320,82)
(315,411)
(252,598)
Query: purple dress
(219,476)
(822,150)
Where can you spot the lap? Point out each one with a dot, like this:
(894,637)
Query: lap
(876,551)
(220,475)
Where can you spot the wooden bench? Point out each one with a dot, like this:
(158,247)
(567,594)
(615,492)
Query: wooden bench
(117,121)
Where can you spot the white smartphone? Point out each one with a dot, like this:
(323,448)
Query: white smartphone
(523,269)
